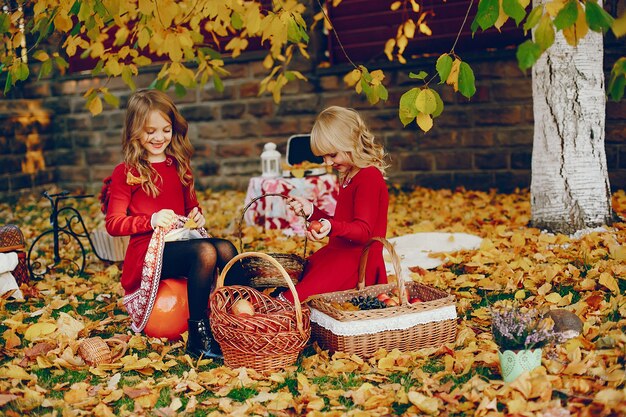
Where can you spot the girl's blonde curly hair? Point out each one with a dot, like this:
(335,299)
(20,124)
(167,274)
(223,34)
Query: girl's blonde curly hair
(140,105)
(342,129)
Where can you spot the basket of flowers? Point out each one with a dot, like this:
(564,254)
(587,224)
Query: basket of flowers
(255,330)
(259,272)
(399,315)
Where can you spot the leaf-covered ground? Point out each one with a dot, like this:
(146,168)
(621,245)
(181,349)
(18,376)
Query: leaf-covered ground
(42,374)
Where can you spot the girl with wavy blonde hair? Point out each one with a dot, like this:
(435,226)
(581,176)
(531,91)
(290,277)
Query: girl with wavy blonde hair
(151,197)
(344,141)
(140,106)
(342,129)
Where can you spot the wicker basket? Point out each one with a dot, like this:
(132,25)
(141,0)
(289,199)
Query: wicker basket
(407,327)
(270,339)
(111,248)
(259,272)
(95,350)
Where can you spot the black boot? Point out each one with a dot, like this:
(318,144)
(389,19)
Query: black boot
(200,341)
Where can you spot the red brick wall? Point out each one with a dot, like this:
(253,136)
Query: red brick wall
(479,144)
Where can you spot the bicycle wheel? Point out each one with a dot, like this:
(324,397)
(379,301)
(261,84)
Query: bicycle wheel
(69,257)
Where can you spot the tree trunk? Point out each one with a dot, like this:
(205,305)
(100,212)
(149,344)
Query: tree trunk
(569,188)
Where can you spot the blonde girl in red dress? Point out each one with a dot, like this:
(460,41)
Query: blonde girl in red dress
(341,137)
(151,193)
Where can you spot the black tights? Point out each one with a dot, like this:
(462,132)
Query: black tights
(197,259)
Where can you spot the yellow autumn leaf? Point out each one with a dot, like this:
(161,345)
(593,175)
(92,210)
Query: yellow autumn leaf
(95,105)
(41,55)
(15,372)
(424,121)
(610,396)
(554,7)
(578,30)
(609,282)
(386,363)
(428,405)
(553,298)
(39,330)
(352,77)
(102,410)
(11,339)
(502,17)
(618,252)
(425,29)
(619,26)
(389,45)
(453,77)
(518,240)
(62,22)
(409,29)
(69,326)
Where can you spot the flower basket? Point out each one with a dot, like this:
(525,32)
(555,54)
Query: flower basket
(259,272)
(270,339)
(515,362)
(406,327)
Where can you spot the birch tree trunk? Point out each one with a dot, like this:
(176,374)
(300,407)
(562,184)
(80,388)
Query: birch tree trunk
(569,187)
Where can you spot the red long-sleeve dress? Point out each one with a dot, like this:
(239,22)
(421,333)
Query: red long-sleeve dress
(130,209)
(361,214)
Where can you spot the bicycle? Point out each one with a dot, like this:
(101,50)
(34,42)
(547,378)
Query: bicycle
(69,253)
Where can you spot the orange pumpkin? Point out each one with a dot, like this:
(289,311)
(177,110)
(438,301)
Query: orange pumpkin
(171,310)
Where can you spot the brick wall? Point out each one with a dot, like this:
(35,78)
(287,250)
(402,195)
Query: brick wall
(479,144)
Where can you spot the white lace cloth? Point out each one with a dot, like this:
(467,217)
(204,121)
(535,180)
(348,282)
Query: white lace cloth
(8,262)
(371,326)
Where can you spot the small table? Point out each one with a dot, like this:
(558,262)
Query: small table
(273,213)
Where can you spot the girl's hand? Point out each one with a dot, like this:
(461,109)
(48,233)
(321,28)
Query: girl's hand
(300,205)
(323,232)
(163,218)
(197,217)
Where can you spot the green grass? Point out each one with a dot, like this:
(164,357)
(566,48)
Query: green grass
(291,383)
(564,290)
(485,373)
(48,378)
(242,393)
(404,379)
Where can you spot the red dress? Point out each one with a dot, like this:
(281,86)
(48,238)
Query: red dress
(361,214)
(129,211)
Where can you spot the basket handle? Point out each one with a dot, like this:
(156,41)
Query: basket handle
(122,350)
(395,261)
(285,275)
(254,200)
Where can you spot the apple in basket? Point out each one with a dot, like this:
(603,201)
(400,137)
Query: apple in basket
(414,300)
(391,302)
(242,307)
(383,296)
(315,226)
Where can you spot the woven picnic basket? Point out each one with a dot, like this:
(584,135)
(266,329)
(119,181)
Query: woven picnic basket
(12,240)
(270,339)
(259,272)
(95,350)
(407,327)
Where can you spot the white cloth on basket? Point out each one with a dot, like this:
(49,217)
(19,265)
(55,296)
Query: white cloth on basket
(371,326)
(8,263)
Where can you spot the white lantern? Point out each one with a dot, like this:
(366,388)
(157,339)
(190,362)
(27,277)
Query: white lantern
(270,161)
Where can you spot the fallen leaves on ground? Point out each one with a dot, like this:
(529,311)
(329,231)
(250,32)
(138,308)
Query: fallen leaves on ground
(42,373)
